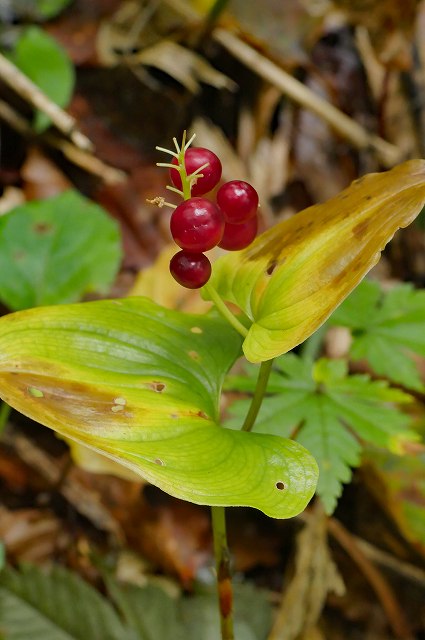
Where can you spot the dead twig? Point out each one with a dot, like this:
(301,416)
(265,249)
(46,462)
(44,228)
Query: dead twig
(297,91)
(404,569)
(345,126)
(385,594)
(76,155)
(23,86)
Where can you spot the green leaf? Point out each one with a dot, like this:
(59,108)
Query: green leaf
(43,60)
(58,605)
(387,327)
(252,614)
(328,411)
(54,251)
(153,614)
(55,606)
(295,274)
(50,8)
(141,384)
(25,11)
(149,611)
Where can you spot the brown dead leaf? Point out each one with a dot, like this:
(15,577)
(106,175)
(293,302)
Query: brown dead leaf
(11,198)
(172,534)
(80,488)
(184,65)
(315,576)
(14,474)
(42,178)
(31,535)
(390,23)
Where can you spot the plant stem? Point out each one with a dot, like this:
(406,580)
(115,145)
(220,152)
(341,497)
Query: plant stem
(224,580)
(5,410)
(225,311)
(257,398)
(216,10)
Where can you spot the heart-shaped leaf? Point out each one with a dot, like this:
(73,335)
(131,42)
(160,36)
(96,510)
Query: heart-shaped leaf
(295,274)
(141,384)
(54,251)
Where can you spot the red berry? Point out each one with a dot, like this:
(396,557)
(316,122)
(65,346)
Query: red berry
(194,158)
(197,225)
(239,236)
(191,270)
(238,201)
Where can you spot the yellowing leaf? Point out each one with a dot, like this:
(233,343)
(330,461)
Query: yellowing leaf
(141,384)
(295,274)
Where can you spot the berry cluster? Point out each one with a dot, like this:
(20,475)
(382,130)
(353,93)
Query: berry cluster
(198,224)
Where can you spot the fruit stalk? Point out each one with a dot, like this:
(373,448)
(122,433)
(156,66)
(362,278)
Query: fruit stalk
(218,515)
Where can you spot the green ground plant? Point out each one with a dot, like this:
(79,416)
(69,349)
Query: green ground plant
(142,384)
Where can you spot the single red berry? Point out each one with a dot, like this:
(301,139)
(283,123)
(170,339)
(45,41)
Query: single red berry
(197,225)
(238,201)
(239,236)
(191,270)
(194,158)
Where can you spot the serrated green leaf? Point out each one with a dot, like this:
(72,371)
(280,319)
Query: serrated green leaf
(43,60)
(153,614)
(387,328)
(55,606)
(141,384)
(252,614)
(148,611)
(295,274)
(327,411)
(55,251)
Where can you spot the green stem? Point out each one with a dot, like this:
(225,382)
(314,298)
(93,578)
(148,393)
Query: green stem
(216,10)
(5,410)
(257,398)
(225,311)
(224,580)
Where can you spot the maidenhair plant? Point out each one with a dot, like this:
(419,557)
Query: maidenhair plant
(141,384)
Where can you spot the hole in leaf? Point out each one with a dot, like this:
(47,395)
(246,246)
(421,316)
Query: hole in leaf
(196,330)
(159,462)
(280,486)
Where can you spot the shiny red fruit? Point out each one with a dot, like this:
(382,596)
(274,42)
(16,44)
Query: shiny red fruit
(238,201)
(191,270)
(197,225)
(194,158)
(239,236)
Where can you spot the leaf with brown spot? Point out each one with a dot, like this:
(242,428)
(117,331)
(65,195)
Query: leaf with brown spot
(119,377)
(295,274)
